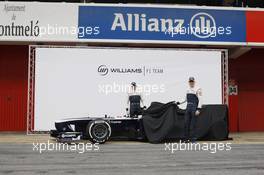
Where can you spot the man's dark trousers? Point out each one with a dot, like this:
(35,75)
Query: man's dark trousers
(190,122)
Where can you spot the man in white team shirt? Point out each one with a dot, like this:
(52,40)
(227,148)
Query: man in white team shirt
(194,104)
(134,101)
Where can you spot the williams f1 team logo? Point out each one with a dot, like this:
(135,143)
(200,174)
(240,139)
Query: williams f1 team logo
(102,70)
(203,25)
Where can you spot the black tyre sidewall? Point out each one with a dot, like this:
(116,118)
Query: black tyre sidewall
(93,138)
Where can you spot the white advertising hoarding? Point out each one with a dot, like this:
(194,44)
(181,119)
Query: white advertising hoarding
(80,82)
(23,21)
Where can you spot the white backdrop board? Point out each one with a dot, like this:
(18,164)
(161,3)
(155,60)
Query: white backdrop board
(80,82)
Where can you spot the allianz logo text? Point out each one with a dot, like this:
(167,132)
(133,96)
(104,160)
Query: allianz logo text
(201,25)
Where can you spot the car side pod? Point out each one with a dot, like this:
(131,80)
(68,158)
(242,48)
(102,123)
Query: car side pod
(99,131)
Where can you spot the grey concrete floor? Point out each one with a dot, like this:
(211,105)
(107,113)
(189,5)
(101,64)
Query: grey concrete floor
(121,158)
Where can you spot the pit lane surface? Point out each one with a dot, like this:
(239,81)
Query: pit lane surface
(128,158)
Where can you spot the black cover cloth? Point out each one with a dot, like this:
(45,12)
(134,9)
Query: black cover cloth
(166,121)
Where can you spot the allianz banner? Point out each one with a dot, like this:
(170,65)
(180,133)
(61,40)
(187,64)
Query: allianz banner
(162,25)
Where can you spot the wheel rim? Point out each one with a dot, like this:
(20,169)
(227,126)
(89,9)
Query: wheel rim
(100,131)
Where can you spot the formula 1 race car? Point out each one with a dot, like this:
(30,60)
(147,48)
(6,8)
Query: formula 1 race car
(99,130)
(158,123)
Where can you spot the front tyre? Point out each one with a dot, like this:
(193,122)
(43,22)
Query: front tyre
(99,131)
